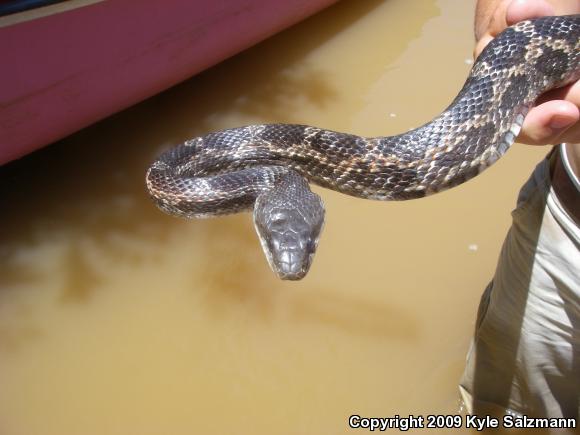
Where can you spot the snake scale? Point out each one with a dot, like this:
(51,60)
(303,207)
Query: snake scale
(267,168)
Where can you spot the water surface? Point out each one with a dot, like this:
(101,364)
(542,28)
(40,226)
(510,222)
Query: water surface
(118,319)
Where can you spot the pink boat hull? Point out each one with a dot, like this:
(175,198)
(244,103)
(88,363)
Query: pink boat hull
(66,70)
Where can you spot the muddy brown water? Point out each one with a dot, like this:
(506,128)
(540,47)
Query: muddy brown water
(118,319)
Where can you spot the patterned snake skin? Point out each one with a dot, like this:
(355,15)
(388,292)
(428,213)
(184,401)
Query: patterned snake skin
(265,166)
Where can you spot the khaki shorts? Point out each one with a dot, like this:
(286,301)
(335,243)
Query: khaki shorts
(525,354)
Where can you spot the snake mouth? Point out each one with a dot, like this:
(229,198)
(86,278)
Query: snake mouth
(288,260)
(292,264)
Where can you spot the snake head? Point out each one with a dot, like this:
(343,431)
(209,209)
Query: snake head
(289,233)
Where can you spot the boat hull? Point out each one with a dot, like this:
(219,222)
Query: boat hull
(74,63)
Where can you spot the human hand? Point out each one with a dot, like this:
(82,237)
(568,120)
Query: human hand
(556,114)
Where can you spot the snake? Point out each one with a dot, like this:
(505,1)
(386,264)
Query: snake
(268,168)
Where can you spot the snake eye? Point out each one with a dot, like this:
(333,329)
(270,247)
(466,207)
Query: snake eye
(278,223)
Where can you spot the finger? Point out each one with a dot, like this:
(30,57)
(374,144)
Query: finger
(490,23)
(548,122)
(569,93)
(519,10)
(511,12)
(480,45)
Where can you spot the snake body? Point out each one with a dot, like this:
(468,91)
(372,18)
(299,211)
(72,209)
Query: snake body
(236,169)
